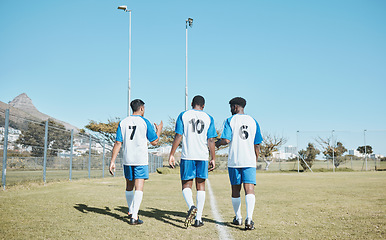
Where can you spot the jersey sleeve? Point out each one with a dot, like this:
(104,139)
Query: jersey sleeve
(118,136)
(227,131)
(180,125)
(150,133)
(211,130)
(258,137)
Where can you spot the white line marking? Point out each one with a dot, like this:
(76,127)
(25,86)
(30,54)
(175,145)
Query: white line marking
(222,230)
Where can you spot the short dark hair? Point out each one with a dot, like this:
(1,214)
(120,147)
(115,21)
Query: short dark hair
(136,104)
(198,100)
(238,101)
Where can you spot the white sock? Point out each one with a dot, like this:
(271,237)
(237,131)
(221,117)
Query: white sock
(250,202)
(200,204)
(188,196)
(129,199)
(236,202)
(136,203)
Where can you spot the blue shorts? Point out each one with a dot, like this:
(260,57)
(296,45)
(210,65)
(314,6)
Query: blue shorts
(242,175)
(190,169)
(136,172)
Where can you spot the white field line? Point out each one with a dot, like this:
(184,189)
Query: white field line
(222,230)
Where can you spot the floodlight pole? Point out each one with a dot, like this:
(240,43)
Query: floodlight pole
(186,66)
(190,22)
(124,8)
(333,151)
(364,138)
(297,148)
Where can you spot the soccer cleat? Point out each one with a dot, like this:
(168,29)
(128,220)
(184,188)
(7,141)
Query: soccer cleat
(249,224)
(129,214)
(237,221)
(191,215)
(135,221)
(198,223)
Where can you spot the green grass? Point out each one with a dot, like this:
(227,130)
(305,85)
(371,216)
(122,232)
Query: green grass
(342,205)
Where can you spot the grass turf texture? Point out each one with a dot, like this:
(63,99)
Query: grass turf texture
(342,205)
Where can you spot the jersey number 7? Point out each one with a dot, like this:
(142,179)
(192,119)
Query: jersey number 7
(133,132)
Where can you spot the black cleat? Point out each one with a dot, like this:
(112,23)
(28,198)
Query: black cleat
(191,215)
(249,224)
(237,221)
(135,221)
(198,223)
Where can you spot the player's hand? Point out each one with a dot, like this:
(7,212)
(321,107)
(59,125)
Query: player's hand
(159,126)
(112,168)
(172,161)
(212,165)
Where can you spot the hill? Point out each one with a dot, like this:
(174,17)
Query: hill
(21,107)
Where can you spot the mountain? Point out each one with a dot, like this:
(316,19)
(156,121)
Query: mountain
(22,107)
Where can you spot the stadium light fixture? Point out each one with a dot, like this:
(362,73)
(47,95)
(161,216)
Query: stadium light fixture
(189,22)
(124,8)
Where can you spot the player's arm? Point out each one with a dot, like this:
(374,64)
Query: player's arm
(211,145)
(158,132)
(257,151)
(116,148)
(222,141)
(176,142)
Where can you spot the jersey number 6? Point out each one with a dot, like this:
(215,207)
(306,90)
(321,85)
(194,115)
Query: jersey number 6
(244,132)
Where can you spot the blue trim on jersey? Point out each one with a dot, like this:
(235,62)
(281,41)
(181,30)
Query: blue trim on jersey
(227,131)
(180,124)
(258,137)
(211,130)
(151,133)
(119,137)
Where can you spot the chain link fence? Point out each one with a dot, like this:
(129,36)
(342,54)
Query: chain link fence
(336,151)
(45,151)
(354,150)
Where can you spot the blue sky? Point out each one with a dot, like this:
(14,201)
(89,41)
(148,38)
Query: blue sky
(301,65)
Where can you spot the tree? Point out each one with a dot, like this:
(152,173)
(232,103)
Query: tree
(308,156)
(367,150)
(104,132)
(330,150)
(58,138)
(107,132)
(270,144)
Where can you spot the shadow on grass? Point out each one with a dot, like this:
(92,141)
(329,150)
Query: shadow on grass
(174,218)
(105,211)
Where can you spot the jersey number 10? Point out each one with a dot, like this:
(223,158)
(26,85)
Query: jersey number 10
(197,125)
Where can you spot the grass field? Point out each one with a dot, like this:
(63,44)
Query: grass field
(289,206)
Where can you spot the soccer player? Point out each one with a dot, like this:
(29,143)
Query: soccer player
(133,133)
(242,132)
(196,130)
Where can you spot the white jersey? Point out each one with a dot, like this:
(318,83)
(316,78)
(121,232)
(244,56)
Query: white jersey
(134,132)
(243,132)
(196,127)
